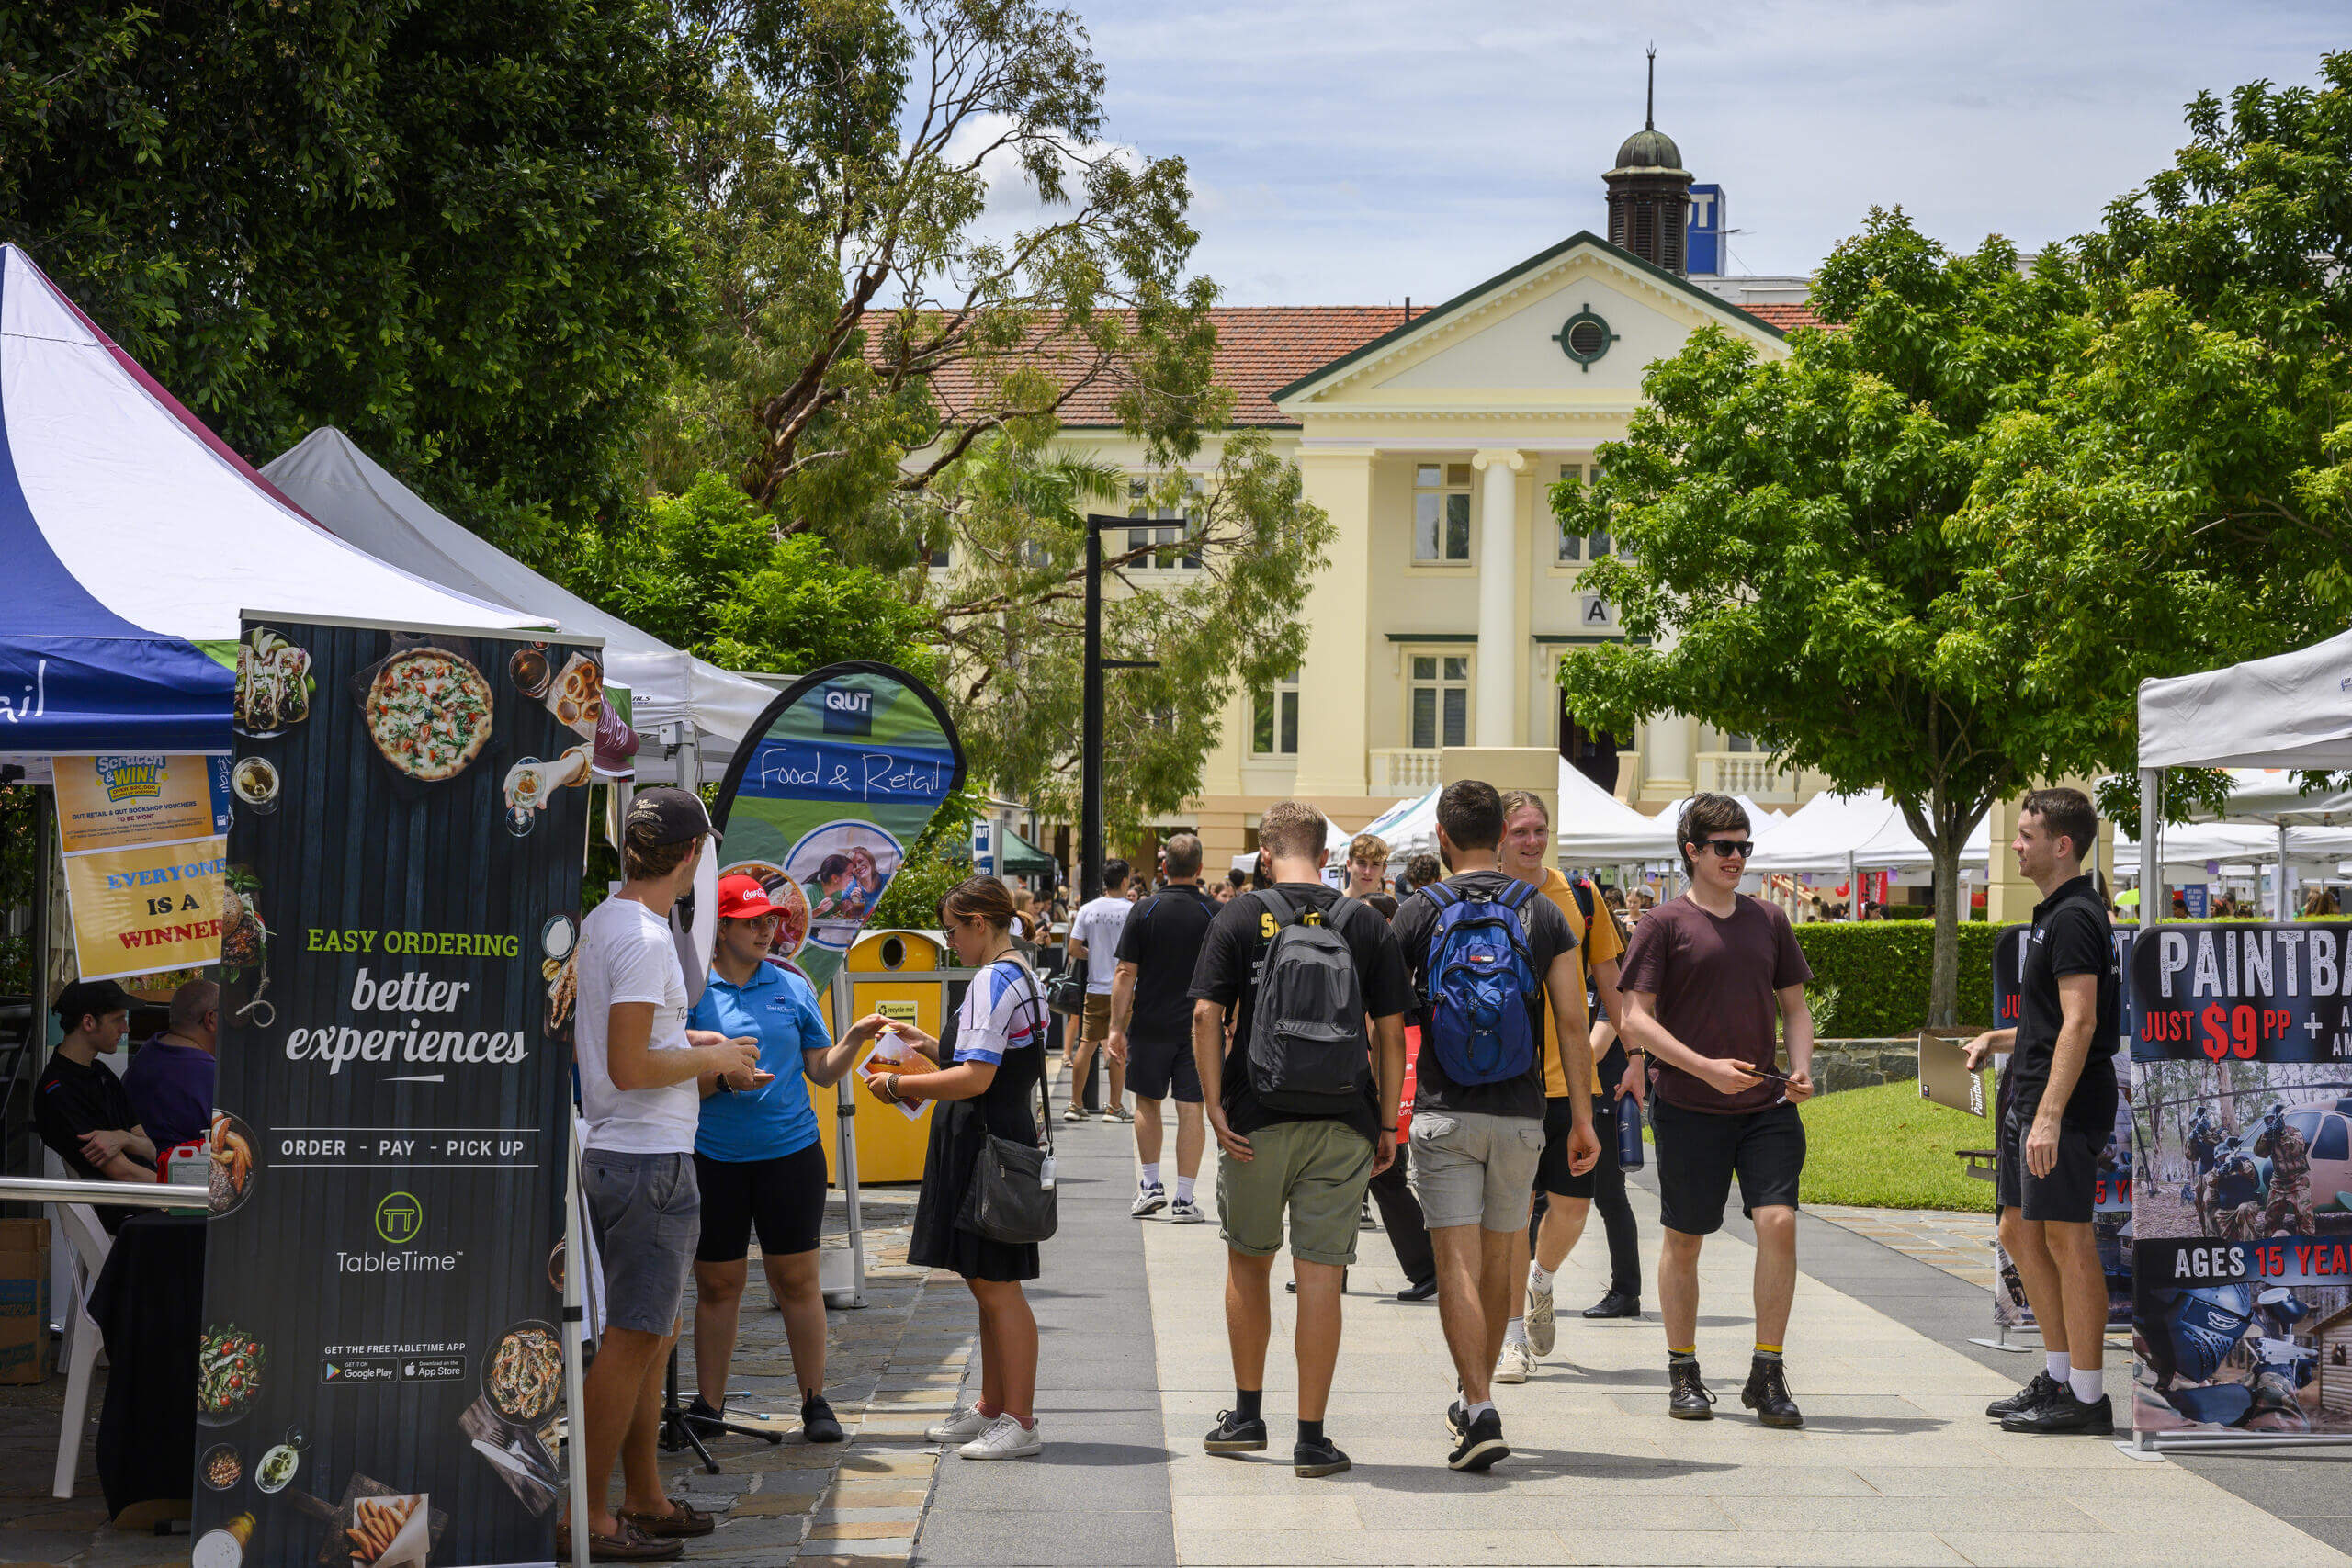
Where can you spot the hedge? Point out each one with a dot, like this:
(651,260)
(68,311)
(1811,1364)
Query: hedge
(1879,970)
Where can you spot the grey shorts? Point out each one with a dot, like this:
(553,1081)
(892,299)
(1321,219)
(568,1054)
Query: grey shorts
(647,1213)
(1470,1169)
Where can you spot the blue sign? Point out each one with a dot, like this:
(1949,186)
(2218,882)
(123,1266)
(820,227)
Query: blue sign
(1704,247)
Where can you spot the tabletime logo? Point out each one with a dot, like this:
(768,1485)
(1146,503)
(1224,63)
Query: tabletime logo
(399,1220)
(848,711)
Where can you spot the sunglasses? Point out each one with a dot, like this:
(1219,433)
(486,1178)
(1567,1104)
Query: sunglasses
(1724,848)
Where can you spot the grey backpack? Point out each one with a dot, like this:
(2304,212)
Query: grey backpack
(1307,1051)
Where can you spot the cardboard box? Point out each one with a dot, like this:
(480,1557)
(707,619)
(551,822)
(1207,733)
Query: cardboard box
(24,1300)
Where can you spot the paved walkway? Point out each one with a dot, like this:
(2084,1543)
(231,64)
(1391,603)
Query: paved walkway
(1958,1242)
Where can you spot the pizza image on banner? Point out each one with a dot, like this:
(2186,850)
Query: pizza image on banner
(429,713)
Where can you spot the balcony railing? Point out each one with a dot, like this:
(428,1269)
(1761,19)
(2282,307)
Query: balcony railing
(1405,771)
(1750,773)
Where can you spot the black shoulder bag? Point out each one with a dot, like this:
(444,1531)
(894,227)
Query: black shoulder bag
(1006,1198)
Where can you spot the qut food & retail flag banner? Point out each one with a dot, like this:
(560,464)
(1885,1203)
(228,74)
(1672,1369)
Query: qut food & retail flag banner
(2111,1199)
(380,1359)
(2241,1073)
(850,765)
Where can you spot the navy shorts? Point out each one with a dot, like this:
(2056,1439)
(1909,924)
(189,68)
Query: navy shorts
(1155,1072)
(2067,1194)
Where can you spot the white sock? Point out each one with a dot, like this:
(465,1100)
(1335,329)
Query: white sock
(1478,1409)
(1151,1174)
(1538,1280)
(1515,1331)
(2056,1364)
(1185,1189)
(2085,1384)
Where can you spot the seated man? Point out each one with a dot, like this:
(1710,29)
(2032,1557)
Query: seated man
(81,1108)
(171,1077)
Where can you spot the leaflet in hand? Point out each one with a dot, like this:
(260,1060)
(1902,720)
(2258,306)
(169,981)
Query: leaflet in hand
(891,1054)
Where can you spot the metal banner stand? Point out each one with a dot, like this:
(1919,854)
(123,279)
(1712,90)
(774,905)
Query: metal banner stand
(575,1425)
(845,1160)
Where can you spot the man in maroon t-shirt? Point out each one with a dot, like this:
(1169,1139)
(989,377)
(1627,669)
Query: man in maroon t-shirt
(1701,982)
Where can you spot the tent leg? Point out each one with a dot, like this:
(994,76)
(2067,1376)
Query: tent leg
(575,1400)
(2153,905)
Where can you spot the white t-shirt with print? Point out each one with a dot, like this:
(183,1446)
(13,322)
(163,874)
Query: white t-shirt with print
(1098,925)
(626,956)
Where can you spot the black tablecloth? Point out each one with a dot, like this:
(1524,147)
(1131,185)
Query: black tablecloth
(148,1305)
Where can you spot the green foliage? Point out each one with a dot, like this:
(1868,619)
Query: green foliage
(936,861)
(449,229)
(19,885)
(1882,968)
(1885,1148)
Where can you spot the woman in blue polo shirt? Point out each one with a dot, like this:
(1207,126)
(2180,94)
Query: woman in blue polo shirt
(757,1158)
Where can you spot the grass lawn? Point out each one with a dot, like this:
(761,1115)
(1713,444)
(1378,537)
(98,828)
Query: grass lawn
(1885,1148)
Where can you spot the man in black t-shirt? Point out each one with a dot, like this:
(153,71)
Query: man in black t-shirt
(80,1109)
(2060,1098)
(1151,1025)
(1476,1147)
(1313,1165)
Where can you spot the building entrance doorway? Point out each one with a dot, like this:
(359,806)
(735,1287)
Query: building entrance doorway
(1591,753)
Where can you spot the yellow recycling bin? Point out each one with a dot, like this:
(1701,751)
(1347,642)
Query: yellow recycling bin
(902,974)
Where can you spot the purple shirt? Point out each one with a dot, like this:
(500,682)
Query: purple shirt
(171,1089)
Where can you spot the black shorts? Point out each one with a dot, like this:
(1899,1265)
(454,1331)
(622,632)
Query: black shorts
(1156,1071)
(785,1198)
(2067,1194)
(1551,1172)
(1699,1152)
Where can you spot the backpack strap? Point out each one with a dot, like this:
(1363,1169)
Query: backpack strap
(1278,906)
(1515,897)
(1583,890)
(1439,893)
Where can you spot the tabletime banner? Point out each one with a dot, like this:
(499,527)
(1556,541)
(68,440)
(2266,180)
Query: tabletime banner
(380,1359)
(2242,1105)
(848,767)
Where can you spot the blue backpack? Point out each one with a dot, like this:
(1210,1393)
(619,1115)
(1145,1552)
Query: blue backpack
(1479,977)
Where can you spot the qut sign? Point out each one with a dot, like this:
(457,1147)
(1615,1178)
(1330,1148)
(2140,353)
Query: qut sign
(1703,243)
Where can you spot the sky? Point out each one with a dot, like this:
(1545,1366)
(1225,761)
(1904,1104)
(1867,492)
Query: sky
(1362,152)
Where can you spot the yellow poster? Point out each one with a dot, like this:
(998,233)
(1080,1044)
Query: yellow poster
(107,802)
(146,908)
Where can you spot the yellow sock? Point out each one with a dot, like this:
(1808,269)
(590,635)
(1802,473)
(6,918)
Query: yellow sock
(1676,1350)
(1764,1349)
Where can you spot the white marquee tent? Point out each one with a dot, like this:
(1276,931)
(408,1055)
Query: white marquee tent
(1597,828)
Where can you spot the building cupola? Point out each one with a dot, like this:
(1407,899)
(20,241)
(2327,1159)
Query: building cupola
(1649,192)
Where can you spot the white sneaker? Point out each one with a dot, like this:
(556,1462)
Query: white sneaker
(1148,1200)
(1541,1326)
(1005,1439)
(961,1426)
(1075,1113)
(1184,1212)
(1515,1364)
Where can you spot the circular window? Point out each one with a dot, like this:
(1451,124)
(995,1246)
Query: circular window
(1585,337)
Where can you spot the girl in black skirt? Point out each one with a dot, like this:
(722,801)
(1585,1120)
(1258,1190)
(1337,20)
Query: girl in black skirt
(983,1087)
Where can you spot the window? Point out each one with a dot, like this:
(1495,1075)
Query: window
(1441,512)
(1172,554)
(1739,743)
(1273,719)
(940,556)
(1582,546)
(1440,700)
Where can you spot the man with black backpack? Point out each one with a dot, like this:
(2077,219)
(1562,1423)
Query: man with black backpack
(1304,1109)
(1489,953)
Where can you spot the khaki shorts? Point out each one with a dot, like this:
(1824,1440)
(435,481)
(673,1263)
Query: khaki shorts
(1098,1017)
(1470,1169)
(1315,1169)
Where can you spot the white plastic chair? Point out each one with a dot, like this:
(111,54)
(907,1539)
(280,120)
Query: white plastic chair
(88,1243)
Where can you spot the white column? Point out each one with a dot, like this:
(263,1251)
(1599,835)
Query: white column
(1499,653)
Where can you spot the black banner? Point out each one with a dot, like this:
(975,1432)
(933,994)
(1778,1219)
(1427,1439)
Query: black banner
(2279,993)
(380,1360)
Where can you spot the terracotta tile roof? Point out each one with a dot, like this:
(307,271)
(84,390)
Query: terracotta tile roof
(1786,318)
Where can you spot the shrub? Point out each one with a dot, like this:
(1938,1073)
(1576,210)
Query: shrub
(1879,969)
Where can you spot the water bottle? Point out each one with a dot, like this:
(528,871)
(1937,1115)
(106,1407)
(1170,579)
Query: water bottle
(1629,1134)
(1046,1174)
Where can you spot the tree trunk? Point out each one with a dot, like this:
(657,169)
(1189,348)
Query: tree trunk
(1943,974)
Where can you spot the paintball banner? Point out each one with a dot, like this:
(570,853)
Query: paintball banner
(380,1360)
(2111,1199)
(849,766)
(2242,1105)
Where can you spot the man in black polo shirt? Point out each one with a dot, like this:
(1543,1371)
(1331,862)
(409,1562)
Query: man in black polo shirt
(1151,1025)
(2060,1094)
(80,1109)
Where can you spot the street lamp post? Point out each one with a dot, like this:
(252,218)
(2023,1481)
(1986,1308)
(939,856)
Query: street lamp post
(1089,827)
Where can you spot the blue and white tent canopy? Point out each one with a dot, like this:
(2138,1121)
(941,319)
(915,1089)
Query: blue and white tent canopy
(131,538)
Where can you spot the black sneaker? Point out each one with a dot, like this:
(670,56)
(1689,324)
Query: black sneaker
(1688,1399)
(1616,1303)
(1421,1290)
(2042,1386)
(1232,1435)
(1457,1416)
(1482,1443)
(1320,1457)
(1766,1394)
(2062,1411)
(702,1419)
(817,1422)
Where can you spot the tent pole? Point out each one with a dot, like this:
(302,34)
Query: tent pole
(2153,905)
(2279,883)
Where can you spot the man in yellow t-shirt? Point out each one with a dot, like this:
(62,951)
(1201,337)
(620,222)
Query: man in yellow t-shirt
(1526,854)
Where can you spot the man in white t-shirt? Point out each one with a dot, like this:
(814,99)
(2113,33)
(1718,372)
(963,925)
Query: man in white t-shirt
(1094,942)
(642,1078)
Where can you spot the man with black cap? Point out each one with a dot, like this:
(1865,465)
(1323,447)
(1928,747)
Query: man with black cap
(642,1078)
(80,1109)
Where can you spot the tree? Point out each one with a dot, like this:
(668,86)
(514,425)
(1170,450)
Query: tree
(1792,561)
(449,229)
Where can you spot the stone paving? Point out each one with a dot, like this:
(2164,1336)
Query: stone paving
(1958,1242)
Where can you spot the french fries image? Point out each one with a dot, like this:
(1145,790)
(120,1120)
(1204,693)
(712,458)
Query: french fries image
(374,1522)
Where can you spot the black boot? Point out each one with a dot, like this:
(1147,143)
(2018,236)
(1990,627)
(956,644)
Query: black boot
(1689,1399)
(1766,1394)
(1616,1303)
